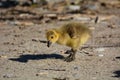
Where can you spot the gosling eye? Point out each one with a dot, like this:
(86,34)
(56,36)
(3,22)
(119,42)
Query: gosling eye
(51,37)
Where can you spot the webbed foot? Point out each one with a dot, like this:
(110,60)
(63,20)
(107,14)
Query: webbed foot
(70,58)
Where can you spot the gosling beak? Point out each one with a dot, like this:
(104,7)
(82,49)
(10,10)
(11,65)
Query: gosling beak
(49,43)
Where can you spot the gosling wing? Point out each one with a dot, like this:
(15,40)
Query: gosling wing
(72,32)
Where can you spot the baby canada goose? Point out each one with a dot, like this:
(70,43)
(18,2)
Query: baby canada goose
(72,35)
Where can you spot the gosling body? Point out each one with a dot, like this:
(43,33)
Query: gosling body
(73,35)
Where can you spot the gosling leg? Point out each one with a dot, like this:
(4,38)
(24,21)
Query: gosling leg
(71,56)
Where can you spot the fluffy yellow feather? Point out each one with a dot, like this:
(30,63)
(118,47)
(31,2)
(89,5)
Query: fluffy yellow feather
(72,35)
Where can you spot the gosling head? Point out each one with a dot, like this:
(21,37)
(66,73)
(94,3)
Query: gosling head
(52,36)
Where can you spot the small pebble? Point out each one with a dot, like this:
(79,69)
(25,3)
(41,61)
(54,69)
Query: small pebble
(41,73)
(62,52)
(8,76)
(100,49)
(100,55)
(3,56)
(75,68)
(111,26)
(94,78)
(74,7)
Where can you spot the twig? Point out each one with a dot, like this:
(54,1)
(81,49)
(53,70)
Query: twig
(54,69)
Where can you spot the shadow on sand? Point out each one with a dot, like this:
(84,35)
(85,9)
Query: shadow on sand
(117,74)
(118,57)
(25,58)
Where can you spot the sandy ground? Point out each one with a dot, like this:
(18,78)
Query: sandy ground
(23,57)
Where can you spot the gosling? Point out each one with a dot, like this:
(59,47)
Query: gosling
(73,35)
